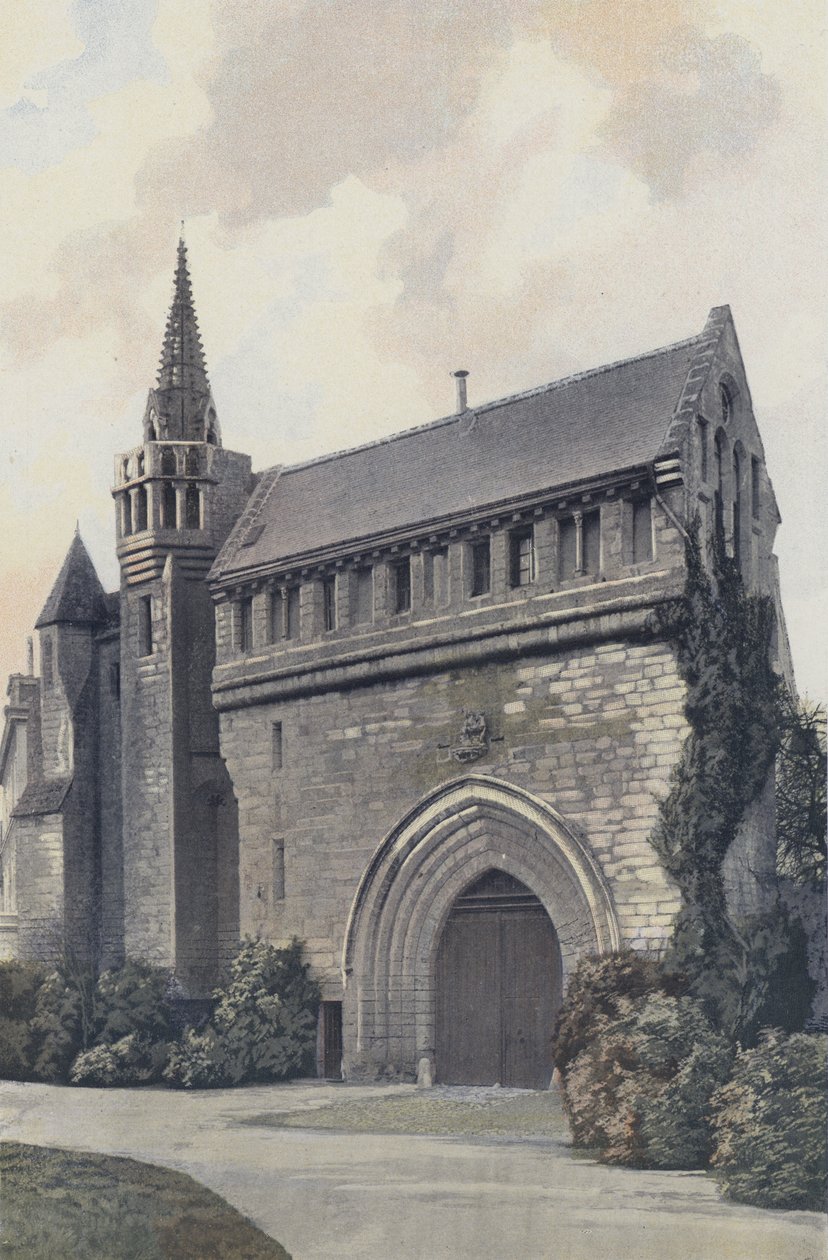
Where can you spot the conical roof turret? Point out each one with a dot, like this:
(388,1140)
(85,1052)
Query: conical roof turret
(181,406)
(77,596)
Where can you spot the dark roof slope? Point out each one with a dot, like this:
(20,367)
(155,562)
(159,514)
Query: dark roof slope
(77,596)
(45,797)
(584,426)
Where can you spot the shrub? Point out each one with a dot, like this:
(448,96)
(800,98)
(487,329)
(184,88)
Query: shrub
(640,1091)
(594,992)
(770,1124)
(133,999)
(58,1027)
(198,1061)
(263,1027)
(133,1060)
(19,984)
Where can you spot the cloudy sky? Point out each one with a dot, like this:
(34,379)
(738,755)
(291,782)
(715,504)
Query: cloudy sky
(377,192)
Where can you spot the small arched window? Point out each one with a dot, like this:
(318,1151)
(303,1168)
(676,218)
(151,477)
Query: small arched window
(191,467)
(139,461)
(726,400)
(125,470)
(169,513)
(193,507)
(719,455)
(211,435)
(737,508)
(140,509)
(719,480)
(168,468)
(152,435)
(126,517)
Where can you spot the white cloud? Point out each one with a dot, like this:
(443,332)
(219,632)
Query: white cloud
(35,35)
(341,272)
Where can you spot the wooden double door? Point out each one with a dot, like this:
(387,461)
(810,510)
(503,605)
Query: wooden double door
(498,987)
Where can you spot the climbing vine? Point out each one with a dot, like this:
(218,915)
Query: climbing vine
(734,707)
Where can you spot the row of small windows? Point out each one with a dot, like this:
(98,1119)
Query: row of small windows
(135,512)
(171,461)
(579,555)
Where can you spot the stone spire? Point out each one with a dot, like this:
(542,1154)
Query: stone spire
(181,407)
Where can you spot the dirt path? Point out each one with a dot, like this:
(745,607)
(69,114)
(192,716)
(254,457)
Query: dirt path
(410,1197)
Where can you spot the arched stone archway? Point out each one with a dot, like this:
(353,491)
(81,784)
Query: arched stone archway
(464,829)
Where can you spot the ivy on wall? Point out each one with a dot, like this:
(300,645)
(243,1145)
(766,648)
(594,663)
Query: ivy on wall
(734,707)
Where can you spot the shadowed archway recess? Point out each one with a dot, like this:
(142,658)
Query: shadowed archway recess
(467,827)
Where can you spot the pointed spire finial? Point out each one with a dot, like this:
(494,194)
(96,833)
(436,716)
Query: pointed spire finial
(182,400)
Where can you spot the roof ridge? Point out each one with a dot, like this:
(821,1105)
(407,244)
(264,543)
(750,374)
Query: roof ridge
(455,417)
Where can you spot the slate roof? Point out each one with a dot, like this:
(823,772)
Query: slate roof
(42,798)
(77,596)
(583,427)
(112,606)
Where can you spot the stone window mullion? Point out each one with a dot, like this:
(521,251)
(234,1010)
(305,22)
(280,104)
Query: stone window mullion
(578,518)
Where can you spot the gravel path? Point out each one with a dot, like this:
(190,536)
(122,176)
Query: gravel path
(327,1195)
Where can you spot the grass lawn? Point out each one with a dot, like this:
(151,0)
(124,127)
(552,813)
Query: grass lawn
(56,1204)
(433,1112)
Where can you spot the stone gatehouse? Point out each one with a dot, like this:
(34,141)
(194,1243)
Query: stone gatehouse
(405,702)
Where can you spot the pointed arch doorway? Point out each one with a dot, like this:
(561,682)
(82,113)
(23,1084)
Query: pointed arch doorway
(498,984)
(455,836)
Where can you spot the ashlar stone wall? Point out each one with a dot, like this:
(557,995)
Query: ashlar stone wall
(593,732)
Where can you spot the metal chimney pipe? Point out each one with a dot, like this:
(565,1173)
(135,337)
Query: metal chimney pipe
(460,377)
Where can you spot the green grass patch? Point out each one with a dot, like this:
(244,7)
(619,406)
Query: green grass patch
(516,1115)
(56,1203)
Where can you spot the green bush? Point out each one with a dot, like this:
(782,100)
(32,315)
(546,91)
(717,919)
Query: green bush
(15,1050)
(19,984)
(639,1092)
(198,1061)
(597,986)
(132,1060)
(770,1124)
(75,1015)
(59,1027)
(263,1027)
(133,999)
